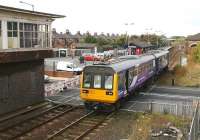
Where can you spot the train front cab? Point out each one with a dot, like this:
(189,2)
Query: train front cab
(99,87)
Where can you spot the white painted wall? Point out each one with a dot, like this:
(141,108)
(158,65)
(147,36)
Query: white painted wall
(4,17)
(4,34)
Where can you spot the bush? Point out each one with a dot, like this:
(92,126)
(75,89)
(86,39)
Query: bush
(197,53)
(180,70)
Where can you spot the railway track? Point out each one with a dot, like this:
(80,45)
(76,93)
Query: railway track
(21,128)
(80,128)
(24,111)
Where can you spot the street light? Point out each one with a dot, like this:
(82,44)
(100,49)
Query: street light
(157,37)
(28,4)
(128,24)
(148,29)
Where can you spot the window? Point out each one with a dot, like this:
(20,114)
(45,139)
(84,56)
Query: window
(122,81)
(97,81)
(0,36)
(12,28)
(87,81)
(131,75)
(108,82)
(34,35)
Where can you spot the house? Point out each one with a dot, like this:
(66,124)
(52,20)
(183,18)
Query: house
(138,47)
(193,40)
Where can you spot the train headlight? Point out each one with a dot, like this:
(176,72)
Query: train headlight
(85,91)
(109,93)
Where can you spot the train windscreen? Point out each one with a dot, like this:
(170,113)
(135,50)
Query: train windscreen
(98,78)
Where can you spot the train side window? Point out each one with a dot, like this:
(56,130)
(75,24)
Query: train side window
(108,82)
(97,81)
(87,81)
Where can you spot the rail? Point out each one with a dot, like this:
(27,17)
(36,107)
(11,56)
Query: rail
(89,125)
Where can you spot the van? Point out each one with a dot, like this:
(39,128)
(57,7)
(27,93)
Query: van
(68,66)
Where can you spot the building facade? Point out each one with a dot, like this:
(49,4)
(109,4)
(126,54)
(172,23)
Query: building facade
(21,28)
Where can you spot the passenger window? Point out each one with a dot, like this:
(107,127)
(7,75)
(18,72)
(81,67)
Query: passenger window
(97,81)
(87,81)
(108,82)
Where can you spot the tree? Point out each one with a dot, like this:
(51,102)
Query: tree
(102,41)
(90,39)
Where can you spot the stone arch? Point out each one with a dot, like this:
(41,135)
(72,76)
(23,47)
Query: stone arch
(193,45)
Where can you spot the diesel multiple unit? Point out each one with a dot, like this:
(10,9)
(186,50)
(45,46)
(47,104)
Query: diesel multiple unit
(107,84)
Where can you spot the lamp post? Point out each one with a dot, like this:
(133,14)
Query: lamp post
(148,29)
(128,24)
(28,4)
(161,34)
(157,37)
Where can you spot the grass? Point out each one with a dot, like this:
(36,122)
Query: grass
(145,123)
(188,76)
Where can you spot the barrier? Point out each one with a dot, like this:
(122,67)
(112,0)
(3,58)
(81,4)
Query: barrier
(59,85)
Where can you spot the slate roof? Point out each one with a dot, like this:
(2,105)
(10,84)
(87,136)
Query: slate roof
(23,11)
(140,44)
(195,37)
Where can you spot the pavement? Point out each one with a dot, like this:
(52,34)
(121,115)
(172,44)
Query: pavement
(69,96)
(181,91)
(176,100)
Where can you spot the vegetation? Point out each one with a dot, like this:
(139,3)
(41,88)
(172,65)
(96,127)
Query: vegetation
(121,40)
(90,39)
(145,123)
(197,53)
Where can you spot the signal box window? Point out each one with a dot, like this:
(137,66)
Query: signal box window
(97,81)
(12,28)
(108,82)
(0,37)
(87,81)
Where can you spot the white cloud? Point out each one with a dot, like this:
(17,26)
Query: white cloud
(173,17)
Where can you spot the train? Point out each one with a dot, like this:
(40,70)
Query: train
(107,84)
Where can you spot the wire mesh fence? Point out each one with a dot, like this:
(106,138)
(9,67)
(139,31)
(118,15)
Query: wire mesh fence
(185,109)
(194,129)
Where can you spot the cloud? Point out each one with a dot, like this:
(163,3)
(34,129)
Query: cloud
(173,17)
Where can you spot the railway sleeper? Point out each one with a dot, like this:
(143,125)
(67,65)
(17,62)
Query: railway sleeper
(5,136)
(87,124)
(90,121)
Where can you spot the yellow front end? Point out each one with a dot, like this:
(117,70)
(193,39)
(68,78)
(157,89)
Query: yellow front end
(100,95)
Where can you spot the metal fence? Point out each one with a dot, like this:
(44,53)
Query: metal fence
(185,109)
(194,129)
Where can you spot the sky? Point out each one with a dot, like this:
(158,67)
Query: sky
(167,17)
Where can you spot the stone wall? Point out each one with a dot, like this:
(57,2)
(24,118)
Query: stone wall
(21,84)
(21,78)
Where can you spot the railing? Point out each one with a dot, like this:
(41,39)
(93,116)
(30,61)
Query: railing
(194,129)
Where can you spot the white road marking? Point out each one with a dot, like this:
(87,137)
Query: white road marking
(132,105)
(152,87)
(131,110)
(186,89)
(170,95)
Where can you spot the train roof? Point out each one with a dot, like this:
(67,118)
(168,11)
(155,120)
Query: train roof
(125,62)
(159,53)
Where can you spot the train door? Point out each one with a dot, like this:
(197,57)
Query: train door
(127,80)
